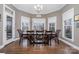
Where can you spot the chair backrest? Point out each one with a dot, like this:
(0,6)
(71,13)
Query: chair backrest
(30,32)
(31,36)
(57,32)
(48,32)
(39,32)
(20,32)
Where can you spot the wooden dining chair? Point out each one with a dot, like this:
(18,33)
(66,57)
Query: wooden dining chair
(55,36)
(48,33)
(39,37)
(31,36)
(20,35)
(45,38)
(39,34)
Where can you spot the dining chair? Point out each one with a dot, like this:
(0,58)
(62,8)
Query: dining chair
(31,36)
(45,38)
(39,34)
(55,36)
(48,34)
(20,35)
(39,37)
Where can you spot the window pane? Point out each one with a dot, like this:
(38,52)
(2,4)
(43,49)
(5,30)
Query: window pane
(24,26)
(68,31)
(52,27)
(9,27)
(68,22)
(38,26)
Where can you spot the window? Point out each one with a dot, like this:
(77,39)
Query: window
(9,27)
(68,28)
(52,24)
(52,27)
(38,24)
(24,26)
(25,23)
(68,25)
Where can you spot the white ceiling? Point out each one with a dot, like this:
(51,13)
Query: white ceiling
(47,8)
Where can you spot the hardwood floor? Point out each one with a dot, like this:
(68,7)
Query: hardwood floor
(14,48)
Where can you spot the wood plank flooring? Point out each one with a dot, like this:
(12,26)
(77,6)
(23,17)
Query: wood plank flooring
(15,48)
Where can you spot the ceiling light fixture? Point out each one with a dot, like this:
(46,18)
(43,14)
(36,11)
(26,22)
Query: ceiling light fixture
(38,8)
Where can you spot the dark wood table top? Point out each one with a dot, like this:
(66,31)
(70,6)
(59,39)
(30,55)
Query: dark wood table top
(38,34)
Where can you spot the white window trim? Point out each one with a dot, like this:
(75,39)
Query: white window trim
(4,17)
(70,25)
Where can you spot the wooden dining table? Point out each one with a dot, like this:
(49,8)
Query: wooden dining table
(39,34)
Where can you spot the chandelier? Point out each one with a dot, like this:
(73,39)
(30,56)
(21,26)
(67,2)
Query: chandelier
(38,8)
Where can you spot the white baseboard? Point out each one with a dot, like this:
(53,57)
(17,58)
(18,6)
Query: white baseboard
(70,44)
(2,46)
